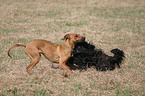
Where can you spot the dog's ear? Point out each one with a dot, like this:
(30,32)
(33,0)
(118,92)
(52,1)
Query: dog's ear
(67,36)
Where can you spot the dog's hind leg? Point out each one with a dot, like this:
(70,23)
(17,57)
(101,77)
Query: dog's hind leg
(33,53)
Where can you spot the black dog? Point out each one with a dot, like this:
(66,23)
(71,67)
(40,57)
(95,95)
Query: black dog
(85,56)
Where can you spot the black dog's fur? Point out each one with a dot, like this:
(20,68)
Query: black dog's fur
(85,56)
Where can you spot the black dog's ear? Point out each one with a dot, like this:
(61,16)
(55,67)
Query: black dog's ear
(67,36)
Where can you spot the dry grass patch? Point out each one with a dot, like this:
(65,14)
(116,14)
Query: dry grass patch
(108,24)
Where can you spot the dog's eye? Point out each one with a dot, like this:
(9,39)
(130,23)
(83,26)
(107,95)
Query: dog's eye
(76,36)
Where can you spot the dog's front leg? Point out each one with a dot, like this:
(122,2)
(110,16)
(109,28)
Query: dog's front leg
(62,64)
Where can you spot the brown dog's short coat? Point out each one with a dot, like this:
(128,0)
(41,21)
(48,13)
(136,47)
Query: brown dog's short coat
(53,52)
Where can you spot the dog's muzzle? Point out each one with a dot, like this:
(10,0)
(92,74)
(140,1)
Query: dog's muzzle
(83,39)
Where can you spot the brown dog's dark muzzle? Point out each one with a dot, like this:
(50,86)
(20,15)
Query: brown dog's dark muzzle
(83,38)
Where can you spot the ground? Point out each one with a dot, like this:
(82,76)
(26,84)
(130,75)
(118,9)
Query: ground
(107,24)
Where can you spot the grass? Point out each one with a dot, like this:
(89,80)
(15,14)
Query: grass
(107,24)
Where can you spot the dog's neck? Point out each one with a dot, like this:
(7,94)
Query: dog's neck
(69,45)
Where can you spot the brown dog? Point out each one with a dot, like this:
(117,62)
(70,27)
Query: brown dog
(53,52)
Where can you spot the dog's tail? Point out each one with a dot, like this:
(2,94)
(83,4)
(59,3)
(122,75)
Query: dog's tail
(118,56)
(16,45)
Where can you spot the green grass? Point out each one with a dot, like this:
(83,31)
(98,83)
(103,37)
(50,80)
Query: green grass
(107,24)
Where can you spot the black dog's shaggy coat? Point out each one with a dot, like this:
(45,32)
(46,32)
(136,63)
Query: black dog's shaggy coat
(85,56)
